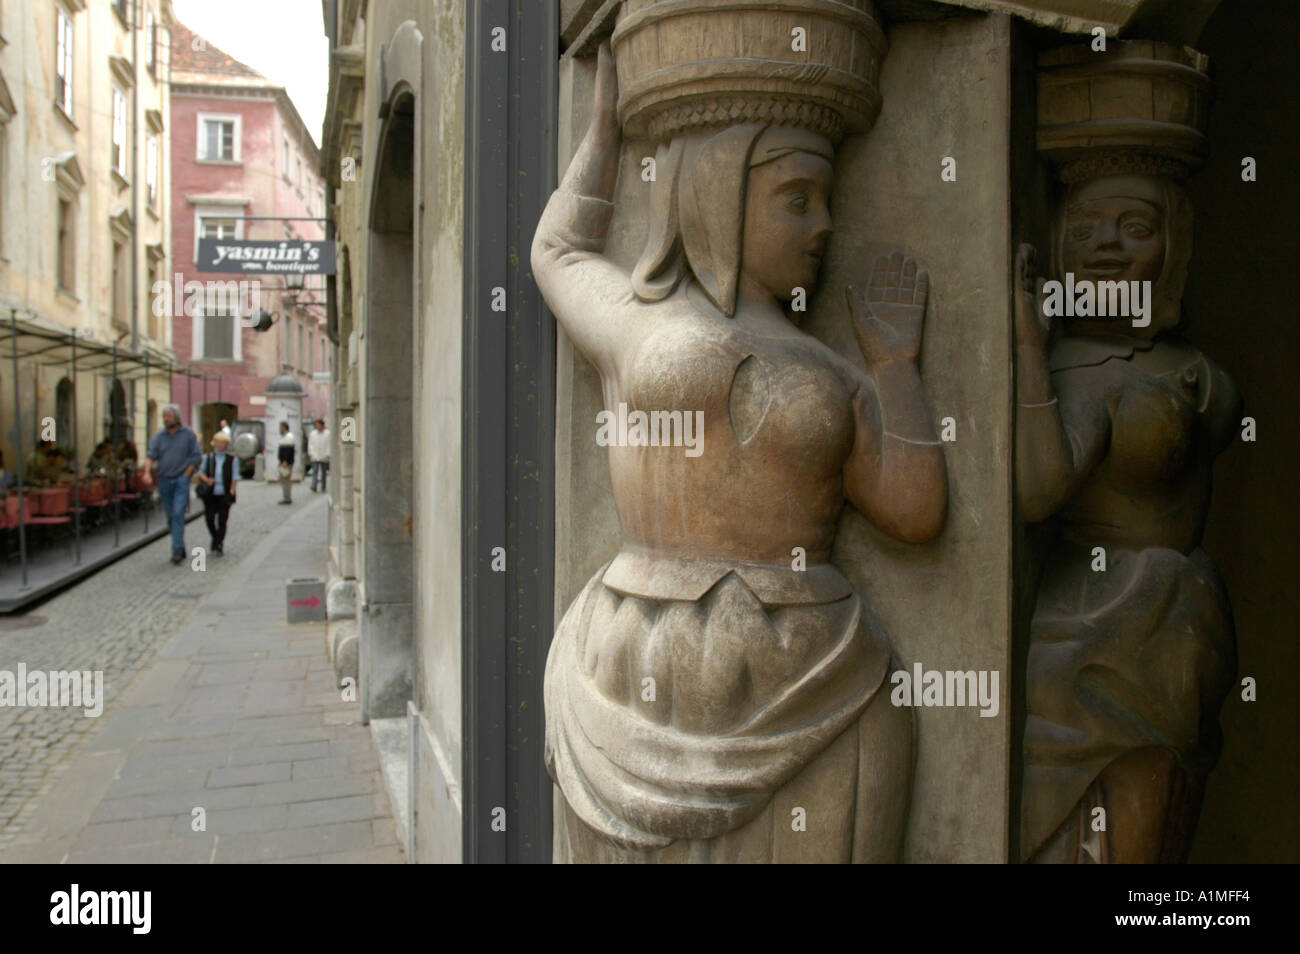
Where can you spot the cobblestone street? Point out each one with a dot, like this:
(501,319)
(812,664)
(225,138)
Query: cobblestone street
(211,700)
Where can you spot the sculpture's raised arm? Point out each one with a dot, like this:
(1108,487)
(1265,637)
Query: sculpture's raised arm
(1058,440)
(590,296)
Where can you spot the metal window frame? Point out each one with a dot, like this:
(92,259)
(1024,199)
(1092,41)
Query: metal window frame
(508,431)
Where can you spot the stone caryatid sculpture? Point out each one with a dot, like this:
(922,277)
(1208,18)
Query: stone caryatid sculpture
(1119,421)
(715,692)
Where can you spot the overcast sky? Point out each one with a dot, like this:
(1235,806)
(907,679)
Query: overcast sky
(284,40)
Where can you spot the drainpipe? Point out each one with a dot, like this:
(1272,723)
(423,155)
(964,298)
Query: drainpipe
(135,183)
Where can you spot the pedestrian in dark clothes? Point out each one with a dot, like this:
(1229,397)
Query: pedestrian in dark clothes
(285,454)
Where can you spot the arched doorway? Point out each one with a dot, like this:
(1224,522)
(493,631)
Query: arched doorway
(63,398)
(210,417)
(388,450)
(119,420)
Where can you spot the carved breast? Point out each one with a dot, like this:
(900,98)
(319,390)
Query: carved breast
(1153,423)
(767,398)
(777,424)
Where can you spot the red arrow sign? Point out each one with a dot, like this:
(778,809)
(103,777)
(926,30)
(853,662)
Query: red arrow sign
(313,601)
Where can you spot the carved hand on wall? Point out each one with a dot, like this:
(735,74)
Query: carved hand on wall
(887,321)
(1033,328)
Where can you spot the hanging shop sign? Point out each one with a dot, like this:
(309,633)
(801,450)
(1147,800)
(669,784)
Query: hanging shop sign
(256,257)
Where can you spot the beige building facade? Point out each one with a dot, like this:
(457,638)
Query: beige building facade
(85,212)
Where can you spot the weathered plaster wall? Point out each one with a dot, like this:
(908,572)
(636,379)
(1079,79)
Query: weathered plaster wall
(437,451)
(434,445)
(946,604)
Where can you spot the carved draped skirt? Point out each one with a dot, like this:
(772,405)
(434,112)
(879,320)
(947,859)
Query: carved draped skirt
(1136,659)
(742,725)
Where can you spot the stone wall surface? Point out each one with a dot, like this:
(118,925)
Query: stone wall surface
(421,48)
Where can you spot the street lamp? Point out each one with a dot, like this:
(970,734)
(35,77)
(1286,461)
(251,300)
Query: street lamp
(260,320)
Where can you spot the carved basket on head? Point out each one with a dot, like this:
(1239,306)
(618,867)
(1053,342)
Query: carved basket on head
(1136,97)
(688,64)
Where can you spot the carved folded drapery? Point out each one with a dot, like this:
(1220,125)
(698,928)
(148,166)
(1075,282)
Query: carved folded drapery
(740,698)
(1138,657)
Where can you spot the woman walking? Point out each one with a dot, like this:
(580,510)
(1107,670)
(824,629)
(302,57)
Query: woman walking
(219,473)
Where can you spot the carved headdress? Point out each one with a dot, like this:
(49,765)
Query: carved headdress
(705,79)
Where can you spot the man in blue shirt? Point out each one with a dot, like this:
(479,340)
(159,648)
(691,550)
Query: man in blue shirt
(174,455)
(220,471)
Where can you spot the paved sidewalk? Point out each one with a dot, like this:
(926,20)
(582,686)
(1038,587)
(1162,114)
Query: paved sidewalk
(237,715)
(115,621)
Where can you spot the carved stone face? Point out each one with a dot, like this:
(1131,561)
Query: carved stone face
(787,222)
(1114,230)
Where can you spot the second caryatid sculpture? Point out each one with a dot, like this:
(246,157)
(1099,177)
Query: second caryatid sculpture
(714,694)
(1119,421)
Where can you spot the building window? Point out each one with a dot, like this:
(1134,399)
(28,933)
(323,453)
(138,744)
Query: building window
(216,222)
(302,357)
(63,62)
(219,138)
(151,171)
(151,279)
(67,245)
(123,11)
(119,132)
(284,165)
(220,314)
(311,352)
(218,228)
(151,43)
(120,272)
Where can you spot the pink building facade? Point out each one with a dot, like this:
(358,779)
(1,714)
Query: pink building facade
(243,166)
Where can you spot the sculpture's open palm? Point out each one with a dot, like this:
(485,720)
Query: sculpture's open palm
(1033,328)
(887,322)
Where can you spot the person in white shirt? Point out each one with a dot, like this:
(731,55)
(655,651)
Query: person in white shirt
(225,429)
(318,449)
